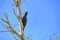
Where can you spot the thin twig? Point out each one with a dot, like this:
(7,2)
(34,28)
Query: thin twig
(4,20)
(15,13)
(14,37)
(3,25)
(6,15)
(11,29)
(4,31)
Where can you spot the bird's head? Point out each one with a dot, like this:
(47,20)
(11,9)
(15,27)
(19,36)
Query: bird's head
(25,14)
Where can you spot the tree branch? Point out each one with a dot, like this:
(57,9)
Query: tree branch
(19,17)
(4,20)
(5,31)
(14,37)
(3,25)
(10,27)
(6,16)
(20,20)
(15,13)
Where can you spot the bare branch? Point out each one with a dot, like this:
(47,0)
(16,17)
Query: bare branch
(52,35)
(4,20)
(5,31)
(9,26)
(15,13)
(17,3)
(3,24)
(6,15)
(14,37)
(19,17)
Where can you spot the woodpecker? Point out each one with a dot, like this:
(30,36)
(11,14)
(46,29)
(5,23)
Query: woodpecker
(24,20)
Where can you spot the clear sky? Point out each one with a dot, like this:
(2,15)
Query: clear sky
(43,18)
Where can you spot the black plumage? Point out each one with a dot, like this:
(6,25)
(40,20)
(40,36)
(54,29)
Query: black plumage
(24,20)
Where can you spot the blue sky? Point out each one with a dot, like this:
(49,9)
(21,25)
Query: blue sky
(43,18)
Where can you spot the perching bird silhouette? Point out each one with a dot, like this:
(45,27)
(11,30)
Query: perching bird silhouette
(24,20)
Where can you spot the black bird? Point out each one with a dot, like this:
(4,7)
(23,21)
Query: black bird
(24,20)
